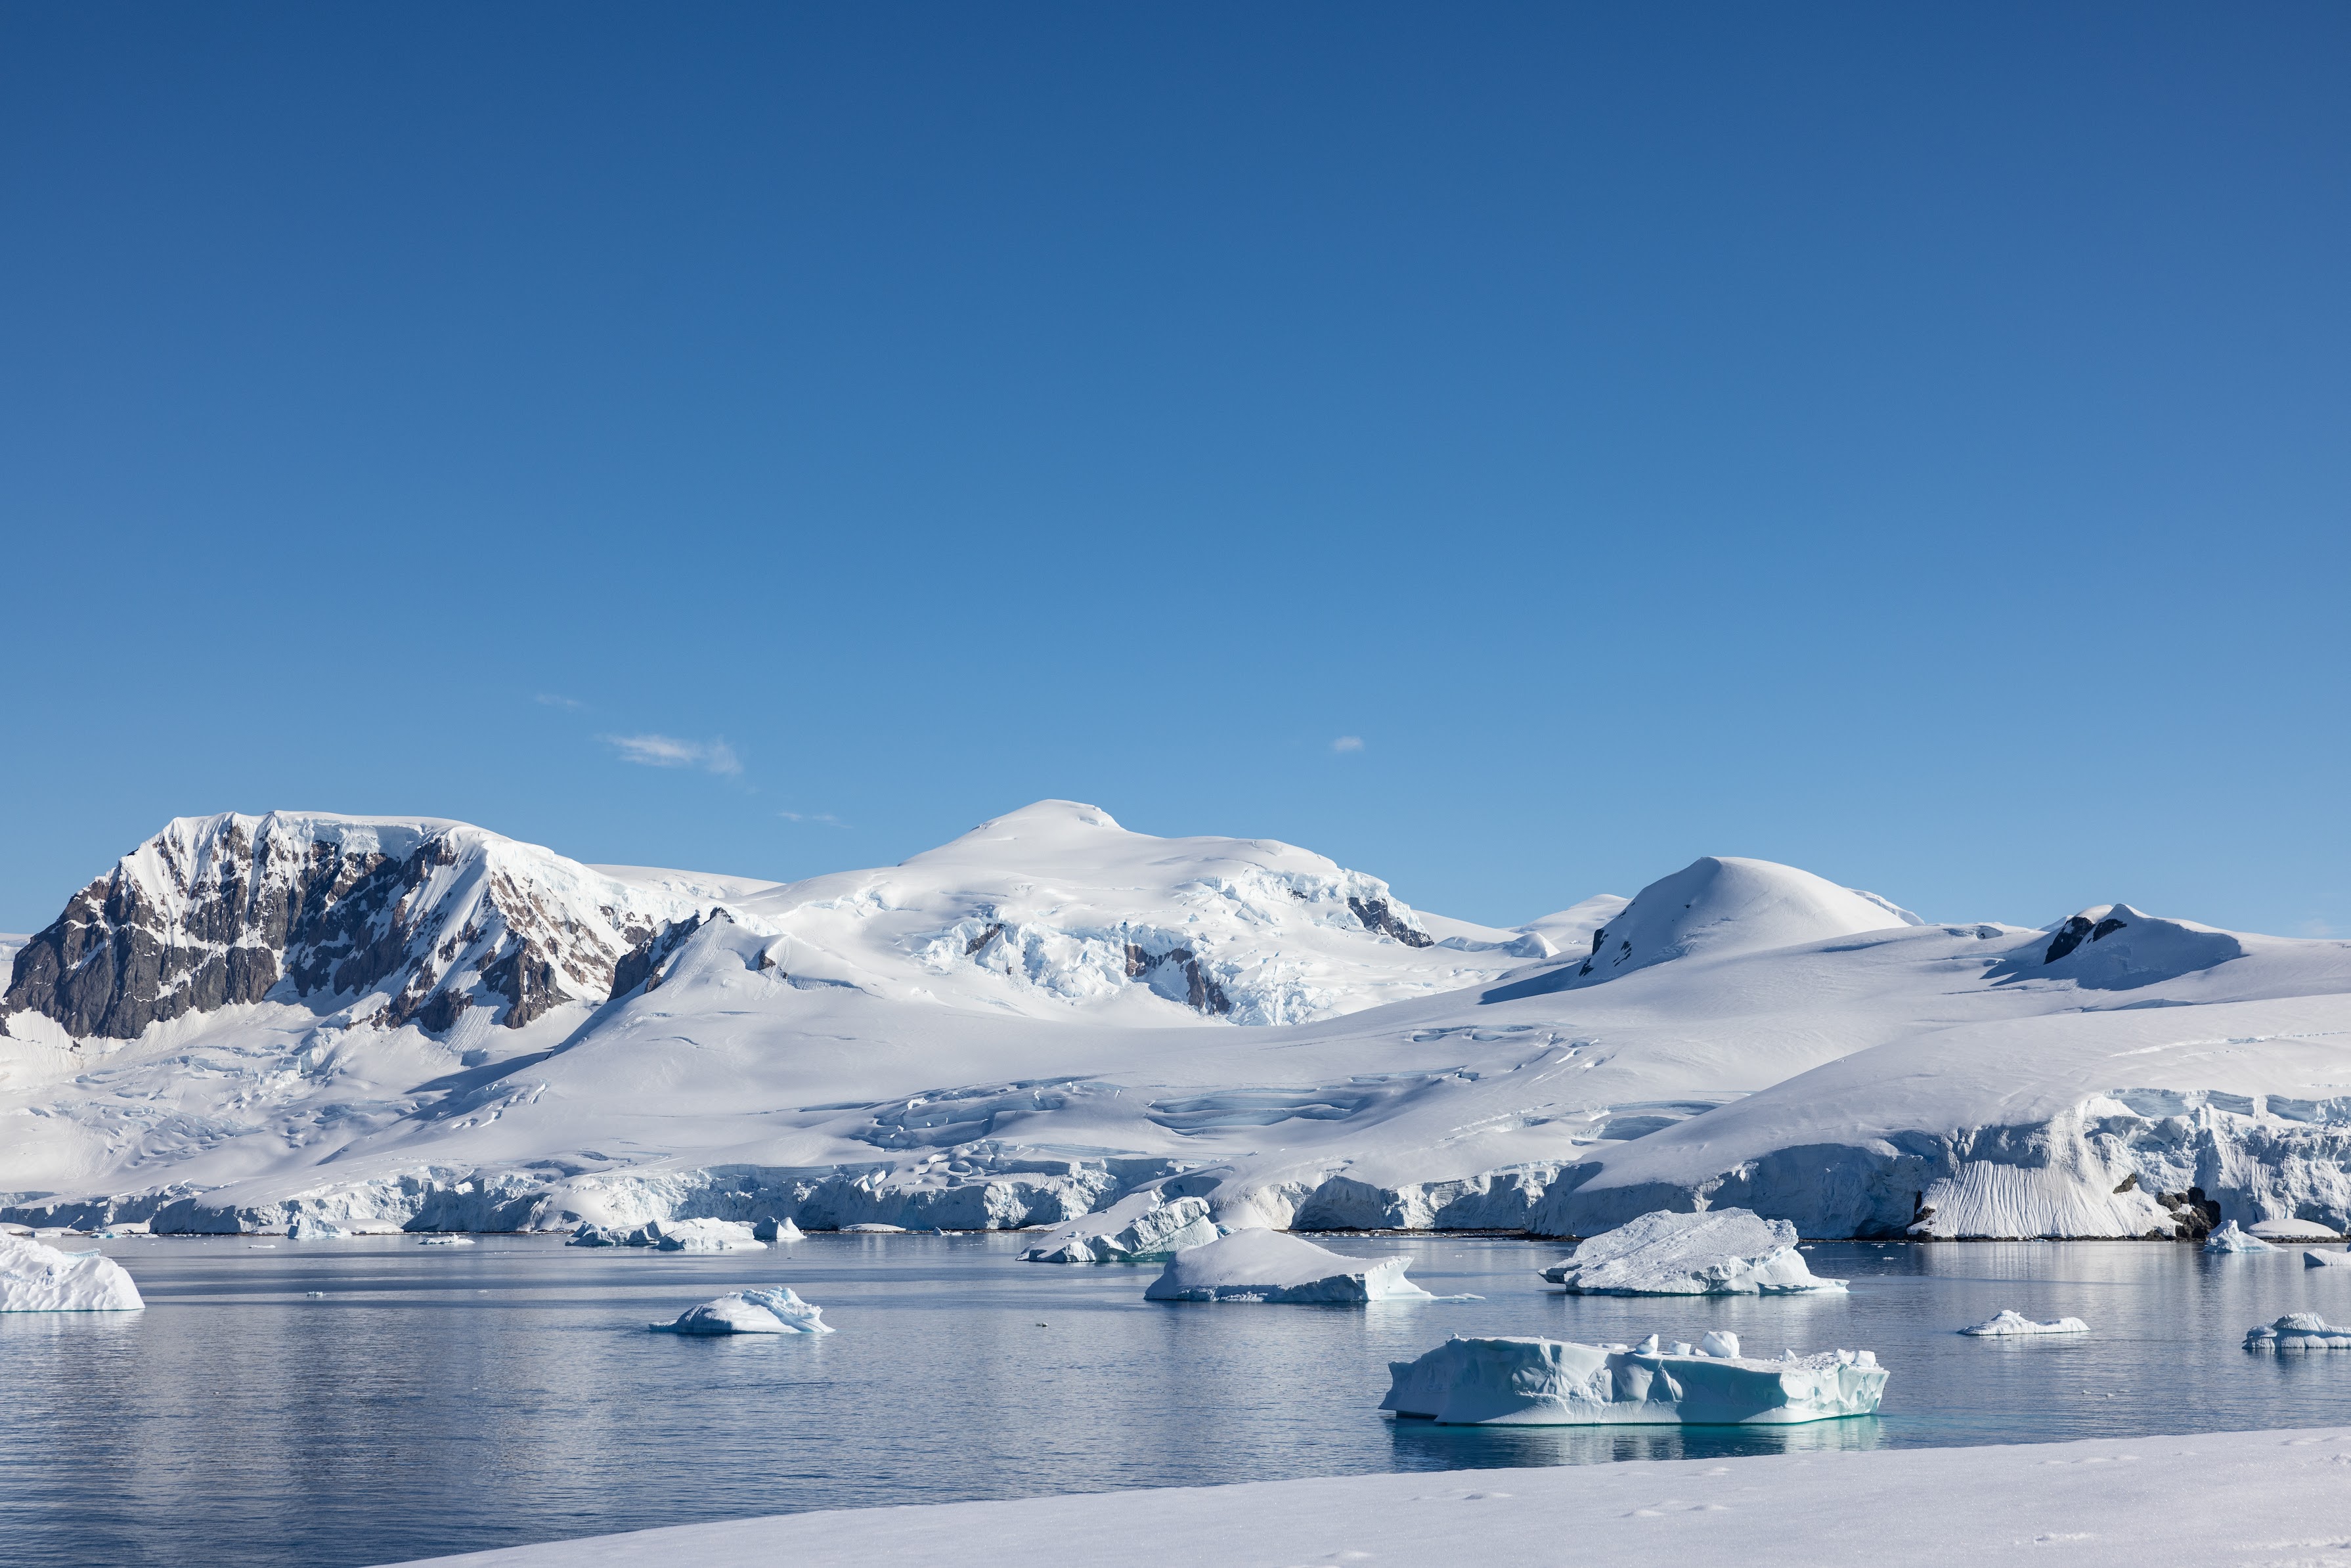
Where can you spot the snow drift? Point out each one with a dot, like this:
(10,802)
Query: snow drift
(1551,1383)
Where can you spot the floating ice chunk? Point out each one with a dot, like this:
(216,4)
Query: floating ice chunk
(750,1311)
(701,1236)
(2230,1238)
(1720,1343)
(307,1228)
(38,1279)
(777,1230)
(2326,1259)
(2298,1330)
(445,1242)
(1721,1253)
(877,1230)
(1138,1229)
(590,1234)
(2294,1230)
(2008,1323)
(1270,1266)
(1554,1383)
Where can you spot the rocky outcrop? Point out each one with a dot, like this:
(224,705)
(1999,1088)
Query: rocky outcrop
(438,918)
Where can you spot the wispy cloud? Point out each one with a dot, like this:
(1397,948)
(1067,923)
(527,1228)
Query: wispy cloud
(668,751)
(825,817)
(2318,925)
(1348,743)
(568,705)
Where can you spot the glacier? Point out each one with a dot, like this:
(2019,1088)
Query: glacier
(387,1024)
(777,1311)
(37,1277)
(1554,1383)
(1272,1266)
(2008,1323)
(1721,1253)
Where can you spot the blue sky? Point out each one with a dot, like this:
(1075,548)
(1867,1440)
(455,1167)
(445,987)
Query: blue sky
(1512,452)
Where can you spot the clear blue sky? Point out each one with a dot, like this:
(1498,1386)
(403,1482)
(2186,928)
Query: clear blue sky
(1909,441)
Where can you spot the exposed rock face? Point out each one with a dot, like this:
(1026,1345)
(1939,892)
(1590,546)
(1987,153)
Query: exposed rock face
(437,917)
(1376,916)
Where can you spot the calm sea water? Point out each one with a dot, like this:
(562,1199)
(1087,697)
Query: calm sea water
(445,1399)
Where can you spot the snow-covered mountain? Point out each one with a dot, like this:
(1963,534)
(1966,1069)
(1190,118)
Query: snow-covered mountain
(421,1023)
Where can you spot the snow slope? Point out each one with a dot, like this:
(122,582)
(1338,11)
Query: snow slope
(2275,1498)
(419,1023)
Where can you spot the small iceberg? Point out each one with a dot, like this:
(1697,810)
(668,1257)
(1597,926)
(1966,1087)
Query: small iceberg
(591,1234)
(750,1311)
(1270,1266)
(2298,1330)
(1720,1252)
(2294,1230)
(2008,1323)
(2230,1237)
(1555,1383)
(701,1236)
(777,1230)
(38,1279)
(445,1242)
(1138,1229)
(307,1228)
(876,1230)
(2326,1259)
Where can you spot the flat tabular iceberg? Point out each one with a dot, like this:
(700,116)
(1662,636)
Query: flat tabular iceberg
(1138,1229)
(2326,1259)
(1721,1253)
(2008,1323)
(2298,1330)
(1269,1266)
(38,1279)
(307,1229)
(446,1241)
(750,1311)
(2230,1237)
(1554,1383)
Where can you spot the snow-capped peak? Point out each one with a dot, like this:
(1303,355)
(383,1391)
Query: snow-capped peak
(1722,904)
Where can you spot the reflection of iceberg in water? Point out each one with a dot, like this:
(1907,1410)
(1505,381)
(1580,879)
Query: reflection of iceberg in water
(1426,1445)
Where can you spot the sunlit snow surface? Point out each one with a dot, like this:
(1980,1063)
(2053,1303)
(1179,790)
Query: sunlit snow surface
(1000,1033)
(2008,1324)
(777,1311)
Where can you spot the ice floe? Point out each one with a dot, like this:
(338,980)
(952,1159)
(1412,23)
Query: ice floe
(779,1310)
(1556,1383)
(445,1242)
(2315,1260)
(1270,1266)
(1720,1252)
(1139,1230)
(2230,1237)
(2298,1330)
(38,1279)
(2010,1323)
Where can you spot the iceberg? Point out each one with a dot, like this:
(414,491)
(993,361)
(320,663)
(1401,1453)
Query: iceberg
(38,1279)
(2230,1238)
(1139,1230)
(2008,1324)
(699,1235)
(445,1242)
(1555,1383)
(2294,1230)
(2298,1330)
(1270,1266)
(307,1229)
(777,1230)
(1719,1252)
(2326,1259)
(750,1311)
(591,1234)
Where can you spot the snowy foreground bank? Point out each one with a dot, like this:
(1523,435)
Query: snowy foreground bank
(2084,1504)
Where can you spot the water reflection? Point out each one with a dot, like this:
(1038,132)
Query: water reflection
(1426,1445)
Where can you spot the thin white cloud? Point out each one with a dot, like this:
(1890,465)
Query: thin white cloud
(668,751)
(568,705)
(826,817)
(1348,743)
